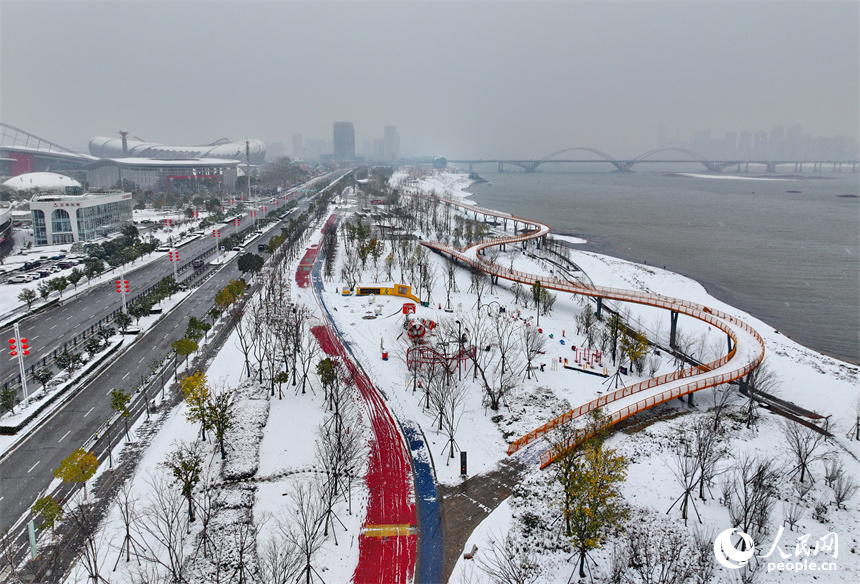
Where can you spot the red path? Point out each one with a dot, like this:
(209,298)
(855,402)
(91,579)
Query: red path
(388,543)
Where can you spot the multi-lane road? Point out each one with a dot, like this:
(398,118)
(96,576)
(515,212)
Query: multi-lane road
(26,469)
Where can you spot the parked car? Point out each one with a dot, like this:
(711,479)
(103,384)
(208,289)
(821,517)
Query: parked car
(18,279)
(196,264)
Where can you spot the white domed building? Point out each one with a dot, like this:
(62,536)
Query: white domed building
(43,182)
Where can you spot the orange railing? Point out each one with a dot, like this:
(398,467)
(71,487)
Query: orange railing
(725,322)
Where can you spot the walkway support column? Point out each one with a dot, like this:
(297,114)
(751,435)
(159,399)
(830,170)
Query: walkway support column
(673,328)
(599,308)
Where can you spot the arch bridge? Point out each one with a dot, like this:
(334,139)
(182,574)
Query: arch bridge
(675,156)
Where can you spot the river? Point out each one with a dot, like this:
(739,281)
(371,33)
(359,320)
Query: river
(783,248)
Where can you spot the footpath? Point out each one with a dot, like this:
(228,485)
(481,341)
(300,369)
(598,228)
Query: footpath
(388,542)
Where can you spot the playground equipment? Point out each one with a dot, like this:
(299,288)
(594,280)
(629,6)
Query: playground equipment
(424,355)
(588,356)
(746,347)
(389,290)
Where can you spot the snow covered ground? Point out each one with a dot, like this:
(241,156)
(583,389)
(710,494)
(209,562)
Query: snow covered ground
(373,325)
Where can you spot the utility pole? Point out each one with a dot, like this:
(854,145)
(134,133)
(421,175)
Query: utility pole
(19,351)
(248,175)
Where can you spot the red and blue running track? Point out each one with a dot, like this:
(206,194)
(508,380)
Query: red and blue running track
(394,535)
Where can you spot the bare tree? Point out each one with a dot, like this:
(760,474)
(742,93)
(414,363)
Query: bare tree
(792,511)
(479,284)
(685,468)
(749,494)
(126,501)
(245,337)
(708,450)
(166,528)
(280,561)
(506,340)
(586,325)
(452,411)
(724,395)
(506,562)
(84,520)
(305,530)
(844,487)
(658,556)
(805,444)
(533,344)
(763,379)
(7,547)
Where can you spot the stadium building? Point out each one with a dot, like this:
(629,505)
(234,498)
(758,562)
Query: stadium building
(124,147)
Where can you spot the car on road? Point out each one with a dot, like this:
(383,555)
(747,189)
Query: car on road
(237,248)
(197,264)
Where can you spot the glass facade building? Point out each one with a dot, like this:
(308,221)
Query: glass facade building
(60,219)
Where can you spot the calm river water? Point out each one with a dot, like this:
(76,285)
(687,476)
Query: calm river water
(783,250)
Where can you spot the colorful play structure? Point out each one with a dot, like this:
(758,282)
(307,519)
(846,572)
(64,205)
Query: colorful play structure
(382,290)
(746,347)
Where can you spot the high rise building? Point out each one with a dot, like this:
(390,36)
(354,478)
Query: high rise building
(759,150)
(776,148)
(378,148)
(298,147)
(392,142)
(344,141)
(795,142)
(745,145)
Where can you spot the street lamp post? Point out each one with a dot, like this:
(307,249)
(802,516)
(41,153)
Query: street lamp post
(460,345)
(537,301)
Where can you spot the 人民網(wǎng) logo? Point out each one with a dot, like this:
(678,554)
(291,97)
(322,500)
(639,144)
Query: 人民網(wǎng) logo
(727,554)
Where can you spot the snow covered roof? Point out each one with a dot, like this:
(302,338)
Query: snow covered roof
(161,163)
(42,181)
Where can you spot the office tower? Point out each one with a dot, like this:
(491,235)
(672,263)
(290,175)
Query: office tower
(392,142)
(776,145)
(795,142)
(760,145)
(298,147)
(745,145)
(344,141)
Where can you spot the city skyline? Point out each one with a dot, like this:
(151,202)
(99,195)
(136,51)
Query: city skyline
(530,79)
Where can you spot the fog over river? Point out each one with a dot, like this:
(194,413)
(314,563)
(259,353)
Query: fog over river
(783,248)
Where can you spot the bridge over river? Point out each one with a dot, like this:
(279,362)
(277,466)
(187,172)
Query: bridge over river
(664,156)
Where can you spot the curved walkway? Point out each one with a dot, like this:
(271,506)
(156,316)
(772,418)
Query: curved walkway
(746,354)
(387,545)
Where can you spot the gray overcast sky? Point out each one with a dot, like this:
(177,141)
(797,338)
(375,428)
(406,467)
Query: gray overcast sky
(464,80)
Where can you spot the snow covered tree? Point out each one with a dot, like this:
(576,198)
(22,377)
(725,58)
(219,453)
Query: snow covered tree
(43,376)
(805,444)
(220,410)
(533,344)
(27,295)
(749,493)
(185,464)
(506,561)
(586,325)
